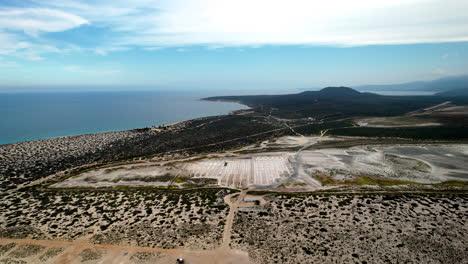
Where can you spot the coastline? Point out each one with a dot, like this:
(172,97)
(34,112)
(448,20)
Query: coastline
(41,158)
(169,125)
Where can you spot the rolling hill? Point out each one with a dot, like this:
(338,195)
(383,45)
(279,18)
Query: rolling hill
(456,92)
(333,102)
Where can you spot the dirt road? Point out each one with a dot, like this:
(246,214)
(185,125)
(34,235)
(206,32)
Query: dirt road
(123,253)
(230,218)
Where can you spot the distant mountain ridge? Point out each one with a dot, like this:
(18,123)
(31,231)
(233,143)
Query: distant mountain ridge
(334,92)
(333,102)
(438,85)
(456,92)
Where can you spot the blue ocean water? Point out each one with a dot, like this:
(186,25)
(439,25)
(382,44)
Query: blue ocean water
(29,116)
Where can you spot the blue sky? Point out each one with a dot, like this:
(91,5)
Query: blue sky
(220,44)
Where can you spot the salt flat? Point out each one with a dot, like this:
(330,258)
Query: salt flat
(243,172)
(419,163)
(304,167)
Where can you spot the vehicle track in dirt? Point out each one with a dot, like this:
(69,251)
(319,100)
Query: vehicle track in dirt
(233,205)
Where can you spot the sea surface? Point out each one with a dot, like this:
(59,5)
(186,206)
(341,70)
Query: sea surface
(32,116)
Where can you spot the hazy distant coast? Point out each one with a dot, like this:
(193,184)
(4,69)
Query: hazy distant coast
(27,117)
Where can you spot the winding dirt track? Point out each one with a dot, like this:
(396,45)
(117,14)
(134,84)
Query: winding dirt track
(121,253)
(230,218)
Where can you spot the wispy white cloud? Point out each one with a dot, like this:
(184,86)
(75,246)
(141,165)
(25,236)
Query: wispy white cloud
(152,24)
(36,20)
(264,22)
(17,46)
(20,30)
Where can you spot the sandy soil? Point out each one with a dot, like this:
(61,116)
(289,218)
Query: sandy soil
(79,252)
(233,205)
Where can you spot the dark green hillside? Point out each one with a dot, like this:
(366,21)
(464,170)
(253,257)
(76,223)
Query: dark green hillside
(456,92)
(334,102)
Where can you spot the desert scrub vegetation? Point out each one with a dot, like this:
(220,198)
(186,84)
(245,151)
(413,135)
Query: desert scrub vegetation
(350,228)
(120,216)
(51,253)
(26,251)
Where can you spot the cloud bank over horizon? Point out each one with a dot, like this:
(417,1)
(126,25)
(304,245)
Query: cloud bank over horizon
(241,43)
(152,25)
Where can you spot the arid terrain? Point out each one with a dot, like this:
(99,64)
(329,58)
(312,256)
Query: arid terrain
(355,229)
(290,162)
(245,188)
(160,209)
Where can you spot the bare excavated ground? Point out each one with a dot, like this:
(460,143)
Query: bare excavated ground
(355,229)
(425,164)
(298,163)
(234,172)
(398,121)
(444,113)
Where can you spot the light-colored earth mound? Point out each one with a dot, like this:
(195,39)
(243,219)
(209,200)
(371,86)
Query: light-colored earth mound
(243,172)
(122,176)
(300,169)
(422,164)
(397,121)
(430,116)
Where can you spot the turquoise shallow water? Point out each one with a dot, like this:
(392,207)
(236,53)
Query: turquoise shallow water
(28,116)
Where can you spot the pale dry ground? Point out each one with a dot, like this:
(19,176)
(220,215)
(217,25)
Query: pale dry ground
(397,121)
(243,172)
(64,252)
(298,170)
(454,110)
(424,117)
(230,169)
(415,163)
(233,205)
